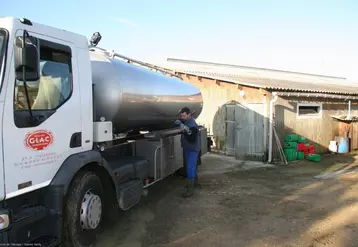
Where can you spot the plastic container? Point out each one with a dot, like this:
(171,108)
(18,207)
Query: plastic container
(291,145)
(300,155)
(311,149)
(291,154)
(291,138)
(343,145)
(301,147)
(302,139)
(333,147)
(306,150)
(314,157)
(333,143)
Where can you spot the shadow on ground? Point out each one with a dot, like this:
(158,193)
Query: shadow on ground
(237,206)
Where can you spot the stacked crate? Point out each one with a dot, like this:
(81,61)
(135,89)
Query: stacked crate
(296,148)
(290,147)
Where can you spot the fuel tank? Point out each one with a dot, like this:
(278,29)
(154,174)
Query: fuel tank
(136,98)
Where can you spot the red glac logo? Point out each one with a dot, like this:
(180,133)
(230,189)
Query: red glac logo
(39,140)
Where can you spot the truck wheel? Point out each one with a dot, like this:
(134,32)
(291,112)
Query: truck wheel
(83,210)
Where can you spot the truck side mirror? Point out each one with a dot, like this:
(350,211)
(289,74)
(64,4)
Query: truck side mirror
(27,63)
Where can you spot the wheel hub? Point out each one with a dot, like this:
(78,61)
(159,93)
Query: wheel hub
(91,211)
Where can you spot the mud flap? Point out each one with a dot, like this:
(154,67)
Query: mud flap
(129,194)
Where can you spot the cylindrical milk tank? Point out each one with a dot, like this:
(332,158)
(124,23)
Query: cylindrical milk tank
(135,98)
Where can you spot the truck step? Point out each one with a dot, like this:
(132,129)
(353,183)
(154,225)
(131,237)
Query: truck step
(36,212)
(129,194)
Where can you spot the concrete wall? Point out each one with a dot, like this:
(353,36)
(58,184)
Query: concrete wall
(215,95)
(319,131)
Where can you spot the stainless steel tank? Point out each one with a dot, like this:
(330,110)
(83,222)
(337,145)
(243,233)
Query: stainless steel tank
(136,98)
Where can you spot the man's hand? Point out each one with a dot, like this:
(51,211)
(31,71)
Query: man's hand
(177,122)
(182,126)
(186,129)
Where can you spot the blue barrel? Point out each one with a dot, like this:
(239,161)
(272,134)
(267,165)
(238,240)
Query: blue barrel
(343,145)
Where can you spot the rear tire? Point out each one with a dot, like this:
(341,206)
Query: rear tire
(74,235)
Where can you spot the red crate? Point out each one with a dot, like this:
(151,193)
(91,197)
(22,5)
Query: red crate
(311,149)
(301,147)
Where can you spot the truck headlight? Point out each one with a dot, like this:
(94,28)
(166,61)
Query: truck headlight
(4,221)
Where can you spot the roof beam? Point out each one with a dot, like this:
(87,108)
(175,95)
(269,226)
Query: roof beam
(317,95)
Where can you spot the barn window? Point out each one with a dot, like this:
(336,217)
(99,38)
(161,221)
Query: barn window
(311,110)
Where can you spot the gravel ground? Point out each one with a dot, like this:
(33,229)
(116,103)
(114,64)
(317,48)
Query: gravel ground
(248,204)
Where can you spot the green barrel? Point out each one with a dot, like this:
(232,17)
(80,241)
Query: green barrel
(302,139)
(291,138)
(300,155)
(291,154)
(314,157)
(290,145)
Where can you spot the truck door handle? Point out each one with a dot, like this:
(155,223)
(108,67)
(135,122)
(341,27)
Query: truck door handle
(76,140)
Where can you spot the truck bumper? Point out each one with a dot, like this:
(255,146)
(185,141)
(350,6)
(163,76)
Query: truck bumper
(35,218)
(34,225)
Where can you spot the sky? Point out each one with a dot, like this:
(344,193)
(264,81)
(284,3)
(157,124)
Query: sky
(310,36)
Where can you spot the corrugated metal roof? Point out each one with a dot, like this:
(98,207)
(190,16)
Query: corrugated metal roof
(203,64)
(340,87)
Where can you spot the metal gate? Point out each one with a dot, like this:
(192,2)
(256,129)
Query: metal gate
(245,131)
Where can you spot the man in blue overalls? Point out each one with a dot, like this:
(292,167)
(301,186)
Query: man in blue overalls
(190,141)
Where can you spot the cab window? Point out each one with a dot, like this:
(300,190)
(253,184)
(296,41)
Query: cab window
(53,88)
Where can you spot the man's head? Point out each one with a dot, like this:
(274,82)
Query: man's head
(185,114)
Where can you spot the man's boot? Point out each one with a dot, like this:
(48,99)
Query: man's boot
(189,188)
(197,184)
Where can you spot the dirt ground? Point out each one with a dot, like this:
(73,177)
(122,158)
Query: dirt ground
(248,204)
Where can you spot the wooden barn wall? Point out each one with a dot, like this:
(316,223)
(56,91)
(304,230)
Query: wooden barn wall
(215,95)
(318,131)
(354,136)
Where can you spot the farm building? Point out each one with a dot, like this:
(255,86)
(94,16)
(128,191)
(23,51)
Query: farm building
(240,104)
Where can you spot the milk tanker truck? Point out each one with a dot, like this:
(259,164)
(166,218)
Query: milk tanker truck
(84,133)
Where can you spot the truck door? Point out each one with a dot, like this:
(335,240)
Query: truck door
(3,60)
(35,149)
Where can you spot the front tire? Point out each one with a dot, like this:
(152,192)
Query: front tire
(83,210)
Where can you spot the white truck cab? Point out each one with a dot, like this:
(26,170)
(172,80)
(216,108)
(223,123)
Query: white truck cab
(63,170)
(36,139)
